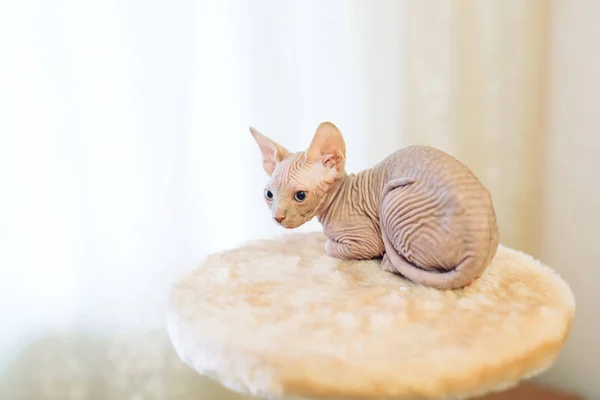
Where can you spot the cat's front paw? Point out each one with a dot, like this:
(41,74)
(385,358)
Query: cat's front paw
(329,248)
(336,250)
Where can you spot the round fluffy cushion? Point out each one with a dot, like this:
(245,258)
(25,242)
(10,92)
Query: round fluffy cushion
(279,318)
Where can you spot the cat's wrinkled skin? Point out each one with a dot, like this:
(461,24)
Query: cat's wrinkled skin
(422,211)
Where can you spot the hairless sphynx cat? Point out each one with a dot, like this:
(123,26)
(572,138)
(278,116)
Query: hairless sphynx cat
(422,211)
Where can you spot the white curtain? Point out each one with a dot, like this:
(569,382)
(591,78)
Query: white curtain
(125,158)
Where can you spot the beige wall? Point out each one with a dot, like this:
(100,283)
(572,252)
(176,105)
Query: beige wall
(571,223)
(476,81)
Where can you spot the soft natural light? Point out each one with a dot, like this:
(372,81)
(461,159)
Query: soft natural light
(126,156)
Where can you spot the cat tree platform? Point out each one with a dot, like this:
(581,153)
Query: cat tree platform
(280,319)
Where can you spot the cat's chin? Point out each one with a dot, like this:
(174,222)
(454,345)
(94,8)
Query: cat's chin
(290,226)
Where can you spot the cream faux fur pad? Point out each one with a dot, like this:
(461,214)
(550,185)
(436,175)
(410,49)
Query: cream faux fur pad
(279,318)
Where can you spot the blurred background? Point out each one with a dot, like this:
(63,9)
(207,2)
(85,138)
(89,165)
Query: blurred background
(125,155)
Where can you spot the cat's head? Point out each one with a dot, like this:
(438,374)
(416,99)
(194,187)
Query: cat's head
(301,183)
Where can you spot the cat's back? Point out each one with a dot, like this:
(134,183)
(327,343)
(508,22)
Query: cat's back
(426,163)
(438,175)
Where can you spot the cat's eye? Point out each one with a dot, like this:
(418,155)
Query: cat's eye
(300,196)
(268,194)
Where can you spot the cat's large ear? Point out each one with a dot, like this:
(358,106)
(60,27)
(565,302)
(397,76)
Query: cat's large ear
(328,147)
(271,152)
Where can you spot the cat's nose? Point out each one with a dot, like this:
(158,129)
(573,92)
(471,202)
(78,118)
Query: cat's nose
(278,218)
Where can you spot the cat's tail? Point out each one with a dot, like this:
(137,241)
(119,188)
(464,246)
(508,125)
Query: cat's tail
(470,269)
